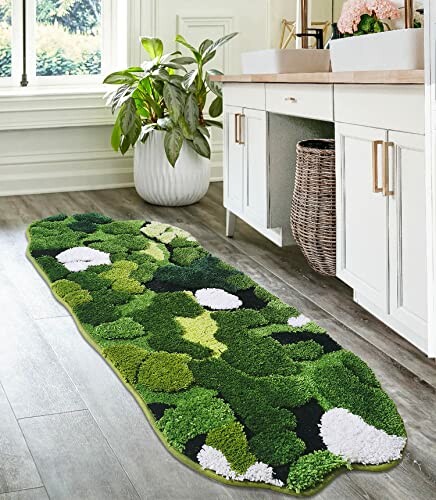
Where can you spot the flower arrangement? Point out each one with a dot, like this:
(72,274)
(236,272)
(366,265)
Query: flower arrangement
(361,17)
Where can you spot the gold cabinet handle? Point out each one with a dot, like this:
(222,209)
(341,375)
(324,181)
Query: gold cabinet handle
(375,146)
(385,173)
(237,115)
(241,130)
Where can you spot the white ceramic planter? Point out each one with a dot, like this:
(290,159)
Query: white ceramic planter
(390,50)
(158,183)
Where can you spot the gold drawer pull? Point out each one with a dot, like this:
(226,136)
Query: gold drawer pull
(385,174)
(241,130)
(375,145)
(290,99)
(237,115)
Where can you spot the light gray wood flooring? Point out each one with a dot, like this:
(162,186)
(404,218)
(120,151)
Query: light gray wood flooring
(70,430)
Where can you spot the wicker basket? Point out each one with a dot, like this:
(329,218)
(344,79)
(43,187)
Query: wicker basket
(313,214)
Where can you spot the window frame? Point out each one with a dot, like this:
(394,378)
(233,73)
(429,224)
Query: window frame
(113,47)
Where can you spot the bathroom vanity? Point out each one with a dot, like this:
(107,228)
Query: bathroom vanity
(378,120)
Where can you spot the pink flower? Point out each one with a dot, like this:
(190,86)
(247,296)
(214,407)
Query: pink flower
(384,9)
(353,10)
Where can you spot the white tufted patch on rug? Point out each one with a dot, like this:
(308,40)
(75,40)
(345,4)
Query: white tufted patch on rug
(350,437)
(213,459)
(298,321)
(217,299)
(80,258)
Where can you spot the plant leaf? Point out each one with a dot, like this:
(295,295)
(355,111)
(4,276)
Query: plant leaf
(213,123)
(208,57)
(116,135)
(186,131)
(219,43)
(216,107)
(215,87)
(205,45)
(174,100)
(125,145)
(184,60)
(127,116)
(204,131)
(173,143)
(121,77)
(201,144)
(175,66)
(135,69)
(180,39)
(192,113)
(189,78)
(153,46)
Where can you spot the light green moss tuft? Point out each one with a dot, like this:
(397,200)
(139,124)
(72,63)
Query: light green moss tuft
(232,442)
(163,371)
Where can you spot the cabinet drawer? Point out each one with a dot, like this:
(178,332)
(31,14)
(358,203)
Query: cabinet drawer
(308,101)
(391,107)
(245,95)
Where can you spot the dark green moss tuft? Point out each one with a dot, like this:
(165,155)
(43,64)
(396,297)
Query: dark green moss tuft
(93,218)
(304,351)
(277,447)
(83,226)
(55,218)
(90,280)
(52,268)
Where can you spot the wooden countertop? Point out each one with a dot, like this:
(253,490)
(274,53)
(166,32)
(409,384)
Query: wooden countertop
(396,77)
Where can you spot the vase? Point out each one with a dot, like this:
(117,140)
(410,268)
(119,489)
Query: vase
(158,183)
(390,50)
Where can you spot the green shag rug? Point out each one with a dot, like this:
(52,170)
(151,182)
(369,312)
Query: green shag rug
(237,384)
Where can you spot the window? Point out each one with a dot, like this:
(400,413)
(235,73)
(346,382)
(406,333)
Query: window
(57,41)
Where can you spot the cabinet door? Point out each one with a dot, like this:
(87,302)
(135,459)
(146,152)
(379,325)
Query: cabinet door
(407,234)
(254,132)
(233,160)
(362,215)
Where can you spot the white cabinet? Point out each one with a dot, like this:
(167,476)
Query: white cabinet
(253,132)
(362,231)
(407,236)
(246,160)
(381,251)
(234,160)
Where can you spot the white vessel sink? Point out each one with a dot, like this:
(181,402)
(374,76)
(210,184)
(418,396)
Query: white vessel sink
(274,61)
(390,50)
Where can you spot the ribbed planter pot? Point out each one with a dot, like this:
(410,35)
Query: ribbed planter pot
(158,183)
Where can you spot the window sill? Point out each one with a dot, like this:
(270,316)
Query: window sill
(54,90)
(53,106)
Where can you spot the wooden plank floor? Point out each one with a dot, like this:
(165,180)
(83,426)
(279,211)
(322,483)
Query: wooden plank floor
(68,427)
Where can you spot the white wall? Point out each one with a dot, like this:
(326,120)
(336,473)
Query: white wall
(430,20)
(60,142)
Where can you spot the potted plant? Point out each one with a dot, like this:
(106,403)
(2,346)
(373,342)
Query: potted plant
(160,108)
(369,43)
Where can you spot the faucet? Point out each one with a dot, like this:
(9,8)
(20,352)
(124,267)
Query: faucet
(317,33)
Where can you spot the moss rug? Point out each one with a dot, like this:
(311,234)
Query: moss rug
(236,383)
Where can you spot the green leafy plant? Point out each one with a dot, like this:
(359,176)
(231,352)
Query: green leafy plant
(168,93)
